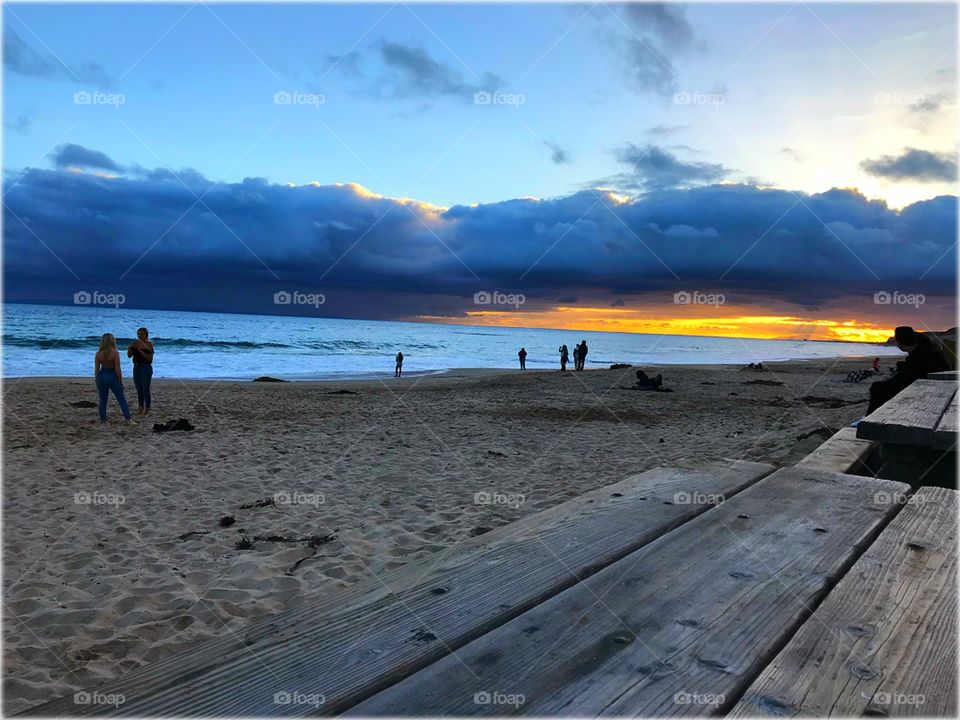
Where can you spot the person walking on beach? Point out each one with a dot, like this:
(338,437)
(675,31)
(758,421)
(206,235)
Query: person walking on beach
(398,370)
(141,350)
(923,358)
(582,358)
(576,356)
(523,358)
(564,357)
(106,372)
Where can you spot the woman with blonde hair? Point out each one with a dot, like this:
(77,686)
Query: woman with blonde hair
(106,371)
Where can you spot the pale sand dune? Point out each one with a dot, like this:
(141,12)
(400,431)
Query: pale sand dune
(92,590)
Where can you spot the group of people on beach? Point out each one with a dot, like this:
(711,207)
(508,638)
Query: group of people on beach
(108,374)
(579,356)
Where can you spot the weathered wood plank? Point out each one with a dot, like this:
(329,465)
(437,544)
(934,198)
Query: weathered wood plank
(911,417)
(945,434)
(681,626)
(353,644)
(842,453)
(885,640)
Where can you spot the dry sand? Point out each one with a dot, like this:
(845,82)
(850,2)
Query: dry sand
(94,586)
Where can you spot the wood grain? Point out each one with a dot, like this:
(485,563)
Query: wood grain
(843,452)
(885,641)
(911,417)
(679,627)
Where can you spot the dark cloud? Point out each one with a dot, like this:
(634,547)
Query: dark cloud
(653,168)
(928,105)
(791,153)
(144,232)
(20,58)
(558,154)
(20,124)
(413,73)
(658,32)
(662,131)
(914,165)
(71,155)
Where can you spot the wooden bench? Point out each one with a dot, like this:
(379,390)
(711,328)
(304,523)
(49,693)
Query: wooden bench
(885,640)
(348,645)
(843,452)
(917,432)
(680,626)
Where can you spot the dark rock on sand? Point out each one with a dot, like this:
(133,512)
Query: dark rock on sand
(180,425)
(267,378)
(227,520)
(620,366)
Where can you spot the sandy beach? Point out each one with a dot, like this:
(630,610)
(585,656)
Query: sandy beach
(124,546)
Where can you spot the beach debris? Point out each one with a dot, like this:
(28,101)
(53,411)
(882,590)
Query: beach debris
(385,502)
(192,533)
(763,382)
(83,404)
(707,382)
(497,453)
(244,543)
(180,425)
(620,366)
(227,520)
(343,392)
(267,378)
(267,501)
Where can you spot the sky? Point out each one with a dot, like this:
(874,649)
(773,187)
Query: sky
(763,170)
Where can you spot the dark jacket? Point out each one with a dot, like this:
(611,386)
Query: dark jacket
(923,360)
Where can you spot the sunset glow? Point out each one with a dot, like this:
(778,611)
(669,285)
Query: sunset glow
(733,322)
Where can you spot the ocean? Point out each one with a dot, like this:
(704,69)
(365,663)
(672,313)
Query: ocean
(54,340)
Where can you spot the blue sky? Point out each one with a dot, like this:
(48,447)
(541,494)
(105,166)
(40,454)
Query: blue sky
(636,99)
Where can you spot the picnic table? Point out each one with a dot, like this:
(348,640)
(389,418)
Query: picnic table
(725,588)
(917,432)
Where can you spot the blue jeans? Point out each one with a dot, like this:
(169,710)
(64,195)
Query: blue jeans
(107,380)
(141,379)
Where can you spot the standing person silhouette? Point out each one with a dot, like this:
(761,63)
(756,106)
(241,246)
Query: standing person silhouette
(106,372)
(576,357)
(523,358)
(564,357)
(582,358)
(398,370)
(141,350)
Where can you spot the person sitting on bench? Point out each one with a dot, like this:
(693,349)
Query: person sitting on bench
(922,359)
